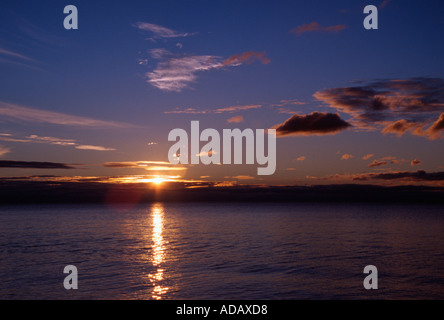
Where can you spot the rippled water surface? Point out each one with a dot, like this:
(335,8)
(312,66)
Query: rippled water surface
(222,251)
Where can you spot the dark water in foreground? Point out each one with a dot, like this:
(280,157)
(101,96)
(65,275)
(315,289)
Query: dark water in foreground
(222,251)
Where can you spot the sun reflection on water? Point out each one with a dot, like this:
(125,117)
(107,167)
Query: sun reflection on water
(158,256)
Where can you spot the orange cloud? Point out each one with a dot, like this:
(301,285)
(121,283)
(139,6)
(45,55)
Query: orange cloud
(347,157)
(236,119)
(246,57)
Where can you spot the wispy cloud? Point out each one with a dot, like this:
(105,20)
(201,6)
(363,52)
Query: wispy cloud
(146,165)
(368,156)
(384,3)
(316,27)
(4,150)
(160,32)
(54,141)
(34,165)
(12,54)
(175,73)
(95,148)
(230,109)
(15,112)
(238,108)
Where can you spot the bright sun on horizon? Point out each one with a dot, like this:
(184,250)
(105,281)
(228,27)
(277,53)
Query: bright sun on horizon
(158,180)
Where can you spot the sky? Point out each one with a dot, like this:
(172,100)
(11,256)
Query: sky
(350,105)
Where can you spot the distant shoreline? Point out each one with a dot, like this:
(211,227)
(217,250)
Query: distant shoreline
(27,192)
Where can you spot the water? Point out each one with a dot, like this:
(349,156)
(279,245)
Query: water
(222,251)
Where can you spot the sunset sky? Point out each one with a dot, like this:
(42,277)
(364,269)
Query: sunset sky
(349,104)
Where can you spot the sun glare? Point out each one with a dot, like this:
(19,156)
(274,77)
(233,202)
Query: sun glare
(157,180)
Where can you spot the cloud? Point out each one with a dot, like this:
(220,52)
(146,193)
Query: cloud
(240,177)
(4,150)
(236,119)
(316,27)
(301,158)
(435,131)
(95,148)
(34,165)
(11,54)
(384,3)
(287,102)
(11,112)
(400,176)
(402,126)
(186,111)
(230,109)
(160,32)
(406,175)
(377,163)
(392,106)
(51,140)
(347,157)
(174,73)
(54,141)
(368,156)
(415,162)
(316,123)
(146,165)
(238,108)
(246,57)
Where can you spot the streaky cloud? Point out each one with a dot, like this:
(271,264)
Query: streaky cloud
(15,112)
(33,165)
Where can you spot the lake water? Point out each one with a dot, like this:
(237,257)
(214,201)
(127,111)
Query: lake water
(222,251)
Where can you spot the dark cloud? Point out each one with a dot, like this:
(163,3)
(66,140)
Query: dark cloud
(411,176)
(33,165)
(316,123)
(396,106)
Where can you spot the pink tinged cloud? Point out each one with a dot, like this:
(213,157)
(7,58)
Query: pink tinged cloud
(94,148)
(368,156)
(415,162)
(175,74)
(316,27)
(16,112)
(14,55)
(4,150)
(159,31)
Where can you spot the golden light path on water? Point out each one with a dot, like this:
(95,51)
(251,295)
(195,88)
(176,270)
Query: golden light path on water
(158,255)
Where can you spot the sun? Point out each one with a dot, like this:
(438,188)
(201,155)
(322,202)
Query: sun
(157,181)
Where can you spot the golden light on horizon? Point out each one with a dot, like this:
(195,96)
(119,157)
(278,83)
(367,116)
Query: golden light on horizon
(158,180)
